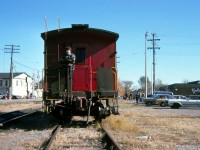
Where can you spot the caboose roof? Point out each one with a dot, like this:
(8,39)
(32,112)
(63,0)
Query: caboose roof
(81,28)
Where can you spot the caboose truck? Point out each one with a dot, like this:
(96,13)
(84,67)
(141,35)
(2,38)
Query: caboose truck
(92,90)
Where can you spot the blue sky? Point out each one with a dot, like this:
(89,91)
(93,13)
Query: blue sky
(175,22)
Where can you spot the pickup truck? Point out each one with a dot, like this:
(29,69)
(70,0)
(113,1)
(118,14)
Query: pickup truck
(153,100)
(177,103)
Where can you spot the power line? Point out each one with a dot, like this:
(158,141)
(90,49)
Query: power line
(26,66)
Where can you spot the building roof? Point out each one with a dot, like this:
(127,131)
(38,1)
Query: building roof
(194,82)
(7,75)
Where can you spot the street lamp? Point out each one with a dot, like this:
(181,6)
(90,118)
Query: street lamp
(146,34)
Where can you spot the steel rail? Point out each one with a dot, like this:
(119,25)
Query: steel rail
(109,141)
(18,117)
(53,135)
(7,113)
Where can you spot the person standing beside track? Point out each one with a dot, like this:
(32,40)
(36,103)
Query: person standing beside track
(137,96)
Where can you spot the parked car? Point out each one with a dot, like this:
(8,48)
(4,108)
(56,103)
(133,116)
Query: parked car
(194,97)
(5,97)
(2,95)
(180,97)
(13,97)
(154,99)
(163,102)
(177,103)
(16,97)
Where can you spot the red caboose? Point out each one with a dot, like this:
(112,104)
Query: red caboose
(95,75)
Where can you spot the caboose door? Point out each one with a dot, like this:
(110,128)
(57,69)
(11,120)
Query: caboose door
(82,79)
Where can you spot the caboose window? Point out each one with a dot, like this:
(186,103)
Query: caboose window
(80,55)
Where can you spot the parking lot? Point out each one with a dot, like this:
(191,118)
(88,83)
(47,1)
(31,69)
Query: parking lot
(191,111)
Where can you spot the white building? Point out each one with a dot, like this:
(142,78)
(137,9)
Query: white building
(22,84)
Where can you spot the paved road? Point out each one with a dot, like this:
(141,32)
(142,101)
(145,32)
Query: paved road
(190,111)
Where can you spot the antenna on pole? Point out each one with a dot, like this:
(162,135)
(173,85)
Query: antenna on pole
(46,28)
(11,49)
(58,24)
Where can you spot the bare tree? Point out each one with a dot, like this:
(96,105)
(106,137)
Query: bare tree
(121,89)
(159,85)
(185,81)
(128,86)
(141,82)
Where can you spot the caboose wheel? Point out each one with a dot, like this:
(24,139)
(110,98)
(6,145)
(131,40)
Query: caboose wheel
(65,115)
(99,112)
(100,115)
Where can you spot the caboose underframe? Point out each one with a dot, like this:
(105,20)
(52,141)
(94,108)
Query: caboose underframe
(67,103)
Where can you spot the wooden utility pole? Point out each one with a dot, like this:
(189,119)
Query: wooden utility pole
(154,47)
(11,49)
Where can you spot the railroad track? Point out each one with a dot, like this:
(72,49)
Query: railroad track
(48,144)
(78,137)
(109,142)
(9,117)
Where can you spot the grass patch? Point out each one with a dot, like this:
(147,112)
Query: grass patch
(120,123)
(166,128)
